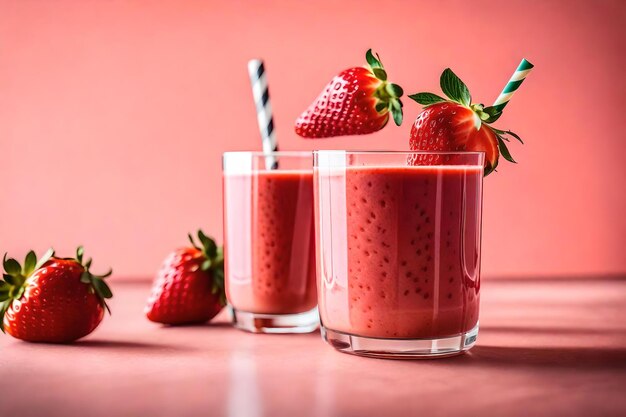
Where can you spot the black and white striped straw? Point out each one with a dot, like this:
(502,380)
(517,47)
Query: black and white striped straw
(265,119)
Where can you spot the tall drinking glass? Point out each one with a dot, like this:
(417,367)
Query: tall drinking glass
(398,251)
(269,241)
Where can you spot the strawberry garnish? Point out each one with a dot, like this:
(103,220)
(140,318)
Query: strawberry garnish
(455,124)
(56,300)
(189,287)
(357,101)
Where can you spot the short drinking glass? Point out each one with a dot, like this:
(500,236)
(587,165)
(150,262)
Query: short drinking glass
(269,241)
(398,251)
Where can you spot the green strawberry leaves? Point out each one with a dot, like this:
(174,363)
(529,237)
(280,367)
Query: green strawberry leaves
(427,99)
(457,92)
(15,276)
(103,291)
(396,112)
(388,94)
(208,244)
(376,65)
(96,282)
(380,73)
(11,266)
(492,169)
(5,292)
(218,283)
(502,137)
(507,132)
(11,280)
(213,263)
(373,61)
(29,263)
(80,251)
(504,151)
(394,90)
(493,113)
(454,88)
(85,278)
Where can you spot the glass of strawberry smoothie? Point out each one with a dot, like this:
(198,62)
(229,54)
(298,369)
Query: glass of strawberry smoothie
(269,244)
(398,251)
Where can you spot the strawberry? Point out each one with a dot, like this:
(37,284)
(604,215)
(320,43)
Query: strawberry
(455,124)
(189,287)
(355,102)
(54,300)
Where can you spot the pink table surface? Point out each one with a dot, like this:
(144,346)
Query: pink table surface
(546,348)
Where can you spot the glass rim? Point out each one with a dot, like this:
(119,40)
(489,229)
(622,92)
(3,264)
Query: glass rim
(274,153)
(351,152)
(467,153)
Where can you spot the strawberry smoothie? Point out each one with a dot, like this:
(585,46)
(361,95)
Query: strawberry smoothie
(269,241)
(399,250)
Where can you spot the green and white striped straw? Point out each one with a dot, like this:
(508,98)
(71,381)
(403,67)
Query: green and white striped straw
(516,80)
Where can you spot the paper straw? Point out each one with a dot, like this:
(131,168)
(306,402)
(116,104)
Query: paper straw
(516,80)
(265,119)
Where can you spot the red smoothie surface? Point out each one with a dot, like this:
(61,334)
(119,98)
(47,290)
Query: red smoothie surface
(269,241)
(399,250)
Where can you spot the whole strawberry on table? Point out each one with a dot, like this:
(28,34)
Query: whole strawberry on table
(189,287)
(55,300)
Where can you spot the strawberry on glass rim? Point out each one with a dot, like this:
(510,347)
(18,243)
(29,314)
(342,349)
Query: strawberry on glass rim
(357,101)
(456,124)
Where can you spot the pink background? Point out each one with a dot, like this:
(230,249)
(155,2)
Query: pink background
(114,115)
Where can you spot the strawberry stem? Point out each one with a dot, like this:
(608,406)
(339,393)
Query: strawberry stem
(214,263)
(387,93)
(14,279)
(96,282)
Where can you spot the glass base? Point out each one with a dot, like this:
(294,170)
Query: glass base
(306,322)
(401,348)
